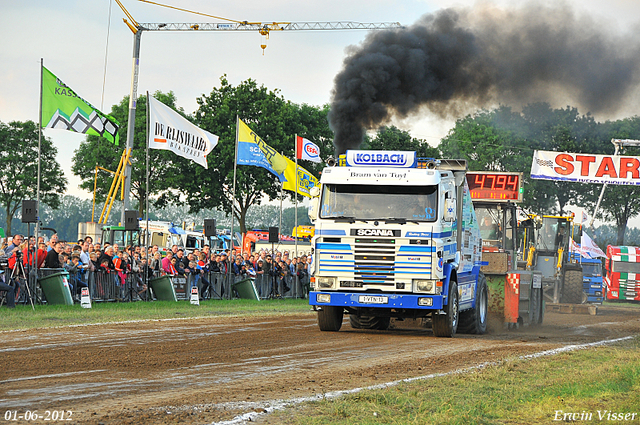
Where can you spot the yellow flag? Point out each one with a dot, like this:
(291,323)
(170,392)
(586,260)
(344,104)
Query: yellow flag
(265,157)
(305,180)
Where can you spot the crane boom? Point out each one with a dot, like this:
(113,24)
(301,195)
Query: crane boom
(264,28)
(274,26)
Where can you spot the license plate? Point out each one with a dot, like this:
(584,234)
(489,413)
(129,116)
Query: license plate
(367,299)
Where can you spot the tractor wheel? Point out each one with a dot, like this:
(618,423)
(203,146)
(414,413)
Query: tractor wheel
(572,288)
(474,321)
(330,318)
(446,325)
(537,306)
(369,322)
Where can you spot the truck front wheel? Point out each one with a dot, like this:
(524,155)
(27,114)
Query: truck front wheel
(446,325)
(330,318)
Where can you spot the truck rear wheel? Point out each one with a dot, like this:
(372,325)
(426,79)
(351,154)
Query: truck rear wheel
(369,322)
(446,325)
(572,287)
(330,318)
(474,321)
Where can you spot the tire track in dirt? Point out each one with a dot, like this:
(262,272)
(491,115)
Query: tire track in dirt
(206,370)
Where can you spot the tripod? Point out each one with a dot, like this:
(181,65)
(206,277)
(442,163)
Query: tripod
(273,294)
(18,276)
(131,290)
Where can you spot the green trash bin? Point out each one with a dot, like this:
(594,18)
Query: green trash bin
(163,288)
(246,289)
(56,288)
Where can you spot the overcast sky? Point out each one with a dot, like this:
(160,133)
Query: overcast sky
(71,37)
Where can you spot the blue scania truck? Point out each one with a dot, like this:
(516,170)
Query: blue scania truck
(396,237)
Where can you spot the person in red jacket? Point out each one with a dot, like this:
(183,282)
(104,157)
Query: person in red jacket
(29,255)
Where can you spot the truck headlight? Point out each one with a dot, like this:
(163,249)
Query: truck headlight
(425,302)
(424,285)
(325,282)
(323,298)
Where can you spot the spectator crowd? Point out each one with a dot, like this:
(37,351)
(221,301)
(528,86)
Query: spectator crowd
(129,268)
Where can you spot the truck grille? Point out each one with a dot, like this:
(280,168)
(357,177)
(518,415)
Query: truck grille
(374,261)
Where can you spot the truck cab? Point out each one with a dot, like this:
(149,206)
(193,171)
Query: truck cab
(396,237)
(591,278)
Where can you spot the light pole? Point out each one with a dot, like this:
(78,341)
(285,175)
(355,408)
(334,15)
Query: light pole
(618,143)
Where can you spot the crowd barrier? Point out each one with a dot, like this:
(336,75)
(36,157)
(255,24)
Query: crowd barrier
(110,286)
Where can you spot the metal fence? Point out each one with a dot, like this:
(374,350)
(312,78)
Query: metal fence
(108,285)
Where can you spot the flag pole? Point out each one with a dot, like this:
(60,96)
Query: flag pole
(147,233)
(281,196)
(233,199)
(37,230)
(295,149)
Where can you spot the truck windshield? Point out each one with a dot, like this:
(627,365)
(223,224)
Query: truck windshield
(411,203)
(553,234)
(625,267)
(591,269)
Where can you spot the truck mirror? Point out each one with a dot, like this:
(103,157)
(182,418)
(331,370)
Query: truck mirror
(314,191)
(450,209)
(314,204)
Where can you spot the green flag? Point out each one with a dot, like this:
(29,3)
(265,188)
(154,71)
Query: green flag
(62,108)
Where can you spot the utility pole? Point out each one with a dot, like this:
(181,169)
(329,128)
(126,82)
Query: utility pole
(618,144)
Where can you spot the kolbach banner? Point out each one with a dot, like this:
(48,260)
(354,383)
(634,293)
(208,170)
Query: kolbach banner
(586,168)
(63,109)
(169,130)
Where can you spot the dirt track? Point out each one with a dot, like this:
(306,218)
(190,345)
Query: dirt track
(197,371)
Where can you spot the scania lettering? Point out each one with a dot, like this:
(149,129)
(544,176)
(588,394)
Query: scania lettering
(396,237)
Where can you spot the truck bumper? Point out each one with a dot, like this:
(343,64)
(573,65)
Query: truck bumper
(377,300)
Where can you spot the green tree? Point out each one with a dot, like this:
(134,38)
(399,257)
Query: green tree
(620,203)
(394,139)
(98,151)
(562,130)
(19,168)
(496,141)
(273,118)
(504,140)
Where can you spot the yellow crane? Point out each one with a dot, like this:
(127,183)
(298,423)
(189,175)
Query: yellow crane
(263,28)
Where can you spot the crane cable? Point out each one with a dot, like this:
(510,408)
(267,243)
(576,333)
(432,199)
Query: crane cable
(197,13)
(106,54)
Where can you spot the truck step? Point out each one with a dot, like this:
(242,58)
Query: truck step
(572,308)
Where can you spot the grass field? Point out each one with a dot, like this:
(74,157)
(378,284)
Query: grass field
(598,385)
(23,317)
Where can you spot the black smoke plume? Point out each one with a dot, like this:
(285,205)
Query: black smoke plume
(456,60)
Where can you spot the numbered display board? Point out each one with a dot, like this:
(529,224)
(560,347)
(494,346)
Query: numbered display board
(495,186)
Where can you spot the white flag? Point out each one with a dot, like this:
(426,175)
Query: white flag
(306,149)
(585,218)
(169,130)
(589,247)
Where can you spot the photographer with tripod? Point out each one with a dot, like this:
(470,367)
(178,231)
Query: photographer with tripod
(10,291)
(13,255)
